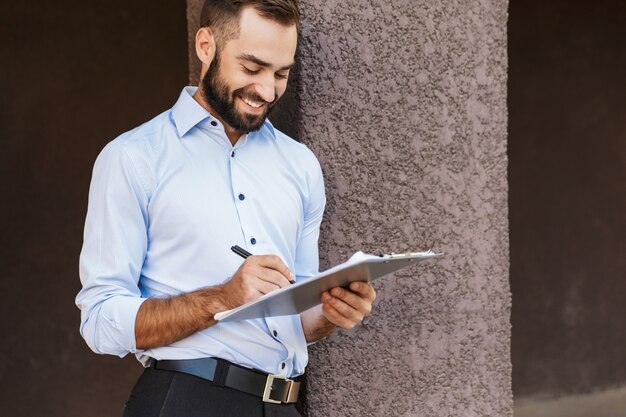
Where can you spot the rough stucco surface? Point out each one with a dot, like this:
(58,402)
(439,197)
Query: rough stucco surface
(404,103)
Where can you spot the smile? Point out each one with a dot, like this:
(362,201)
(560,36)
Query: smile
(251,103)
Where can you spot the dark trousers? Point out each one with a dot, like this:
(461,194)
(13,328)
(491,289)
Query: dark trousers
(160,393)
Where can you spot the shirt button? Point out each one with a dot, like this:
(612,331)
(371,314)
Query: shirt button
(242,197)
(275,333)
(213,123)
(232,155)
(282,365)
(253,241)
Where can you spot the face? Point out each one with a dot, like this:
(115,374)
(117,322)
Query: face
(249,74)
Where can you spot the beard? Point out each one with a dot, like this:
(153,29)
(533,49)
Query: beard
(221,99)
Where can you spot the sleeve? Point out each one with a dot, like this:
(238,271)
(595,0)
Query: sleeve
(114,247)
(307,250)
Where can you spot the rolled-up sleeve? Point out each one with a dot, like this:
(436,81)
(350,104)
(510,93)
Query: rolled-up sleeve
(114,248)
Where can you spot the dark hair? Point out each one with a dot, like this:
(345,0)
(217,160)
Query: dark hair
(222,16)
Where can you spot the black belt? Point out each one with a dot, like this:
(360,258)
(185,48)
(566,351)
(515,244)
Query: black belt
(272,388)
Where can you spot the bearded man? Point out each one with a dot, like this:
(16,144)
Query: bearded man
(169,199)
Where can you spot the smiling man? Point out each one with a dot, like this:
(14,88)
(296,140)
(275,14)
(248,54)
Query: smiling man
(248,64)
(168,200)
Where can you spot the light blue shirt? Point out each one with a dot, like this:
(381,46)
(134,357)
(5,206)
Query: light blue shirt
(167,201)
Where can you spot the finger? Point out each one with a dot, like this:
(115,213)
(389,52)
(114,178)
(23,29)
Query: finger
(265,287)
(272,276)
(273,262)
(355,300)
(343,308)
(256,276)
(253,268)
(364,289)
(336,318)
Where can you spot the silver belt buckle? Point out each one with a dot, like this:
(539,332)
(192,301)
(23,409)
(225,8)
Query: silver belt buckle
(292,392)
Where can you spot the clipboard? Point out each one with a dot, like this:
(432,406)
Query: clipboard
(301,296)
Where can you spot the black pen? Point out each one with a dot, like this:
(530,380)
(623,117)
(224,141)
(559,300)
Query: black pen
(240,251)
(244,254)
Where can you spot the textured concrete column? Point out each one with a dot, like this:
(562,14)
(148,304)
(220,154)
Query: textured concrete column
(404,102)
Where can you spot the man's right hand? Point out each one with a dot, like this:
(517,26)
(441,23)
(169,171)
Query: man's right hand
(257,276)
(161,321)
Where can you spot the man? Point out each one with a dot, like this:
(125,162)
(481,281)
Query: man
(168,200)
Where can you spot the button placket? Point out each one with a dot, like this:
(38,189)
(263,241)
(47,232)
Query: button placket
(241,196)
(285,364)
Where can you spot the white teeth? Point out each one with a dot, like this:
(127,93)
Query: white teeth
(252,103)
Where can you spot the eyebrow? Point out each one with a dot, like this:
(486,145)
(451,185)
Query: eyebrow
(254,59)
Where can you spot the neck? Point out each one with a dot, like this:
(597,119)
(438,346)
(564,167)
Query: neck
(232,134)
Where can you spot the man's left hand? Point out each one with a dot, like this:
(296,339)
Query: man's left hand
(348,307)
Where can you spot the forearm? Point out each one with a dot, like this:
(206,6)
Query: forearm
(161,321)
(315,325)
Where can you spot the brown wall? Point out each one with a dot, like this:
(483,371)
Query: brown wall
(74,75)
(567,179)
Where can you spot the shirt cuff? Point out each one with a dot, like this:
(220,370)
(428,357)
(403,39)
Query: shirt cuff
(120,313)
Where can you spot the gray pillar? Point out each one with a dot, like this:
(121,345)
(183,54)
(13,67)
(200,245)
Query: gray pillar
(404,103)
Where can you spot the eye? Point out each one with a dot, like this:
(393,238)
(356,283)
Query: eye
(250,71)
(281,76)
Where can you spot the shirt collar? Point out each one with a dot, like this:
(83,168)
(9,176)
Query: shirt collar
(187,113)
(267,127)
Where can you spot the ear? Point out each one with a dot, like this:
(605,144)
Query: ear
(205,46)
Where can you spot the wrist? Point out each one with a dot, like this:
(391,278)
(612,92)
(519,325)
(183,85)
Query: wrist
(212,300)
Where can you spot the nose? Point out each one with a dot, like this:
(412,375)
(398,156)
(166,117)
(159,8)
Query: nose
(266,89)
